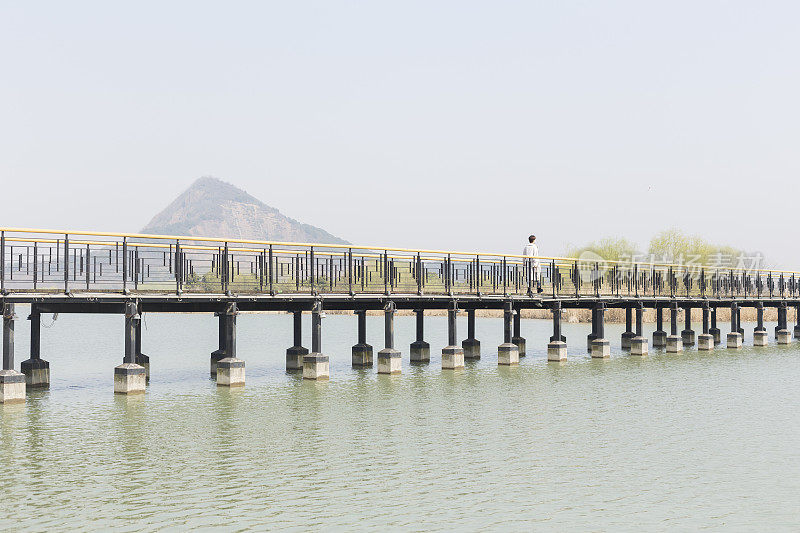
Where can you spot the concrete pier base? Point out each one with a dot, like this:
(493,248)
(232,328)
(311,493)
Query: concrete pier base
(362,355)
(639,346)
(507,354)
(626,339)
(687,336)
(601,349)
(230,372)
(216,357)
(716,333)
(316,366)
(674,344)
(705,342)
(37,373)
(452,358)
(783,336)
(472,348)
(144,361)
(390,361)
(557,351)
(734,340)
(589,340)
(12,386)
(294,358)
(420,352)
(129,378)
(659,339)
(760,338)
(520,342)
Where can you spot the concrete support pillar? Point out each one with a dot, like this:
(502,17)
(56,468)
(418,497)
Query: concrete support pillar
(36,369)
(639,342)
(316,365)
(452,354)
(705,341)
(129,377)
(508,352)
(471,345)
(517,338)
(593,335)
(760,333)
(714,330)
(420,350)
(674,341)
(295,354)
(783,335)
(219,353)
(389,359)
(557,347)
(739,327)
(628,334)
(141,359)
(362,352)
(601,347)
(797,322)
(230,370)
(687,335)
(734,337)
(12,383)
(659,335)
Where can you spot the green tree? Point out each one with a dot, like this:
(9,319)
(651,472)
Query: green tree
(609,248)
(673,245)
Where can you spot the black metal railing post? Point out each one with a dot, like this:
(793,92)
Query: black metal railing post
(312,271)
(270,272)
(448,276)
(478,275)
(178,266)
(350,272)
(35,264)
(66,264)
(703,283)
(505,284)
(124,265)
(227,271)
(420,273)
(386,274)
(576,280)
(2,262)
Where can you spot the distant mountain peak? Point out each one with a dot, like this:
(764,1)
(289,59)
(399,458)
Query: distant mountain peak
(211,207)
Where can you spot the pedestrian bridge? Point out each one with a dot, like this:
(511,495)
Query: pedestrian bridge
(64,271)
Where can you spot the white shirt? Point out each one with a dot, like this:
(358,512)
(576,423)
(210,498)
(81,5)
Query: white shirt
(531,250)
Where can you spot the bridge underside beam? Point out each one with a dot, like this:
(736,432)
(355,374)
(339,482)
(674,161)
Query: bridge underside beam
(115,304)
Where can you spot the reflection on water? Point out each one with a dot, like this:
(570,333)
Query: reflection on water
(665,441)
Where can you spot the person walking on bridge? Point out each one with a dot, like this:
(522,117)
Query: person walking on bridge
(532,250)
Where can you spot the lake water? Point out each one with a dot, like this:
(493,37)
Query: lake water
(669,441)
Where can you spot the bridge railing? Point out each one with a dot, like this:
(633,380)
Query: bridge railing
(38,260)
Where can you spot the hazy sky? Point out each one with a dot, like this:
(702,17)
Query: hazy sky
(458,125)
